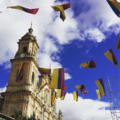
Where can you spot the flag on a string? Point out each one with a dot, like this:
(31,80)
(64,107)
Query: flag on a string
(63,97)
(61,8)
(115,6)
(100,86)
(118,42)
(63,91)
(98,94)
(80,87)
(44,71)
(32,11)
(57,81)
(20,72)
(85,92)
(110,55)
(75,95)
(90,64)
(59,93)
(42,86)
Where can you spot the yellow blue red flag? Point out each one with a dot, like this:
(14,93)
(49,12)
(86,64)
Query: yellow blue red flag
(118,42)
(32,11)
(115,6)
(98,94)
(100,86)
(61,8)
(63,97)
(42,86)
(85,92)
(44,71)
(110,55)
(75,95)
(57,81)
(80,87)
(90,64)
(20,72)
(63,91)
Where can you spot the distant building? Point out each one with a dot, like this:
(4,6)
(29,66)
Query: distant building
(23,95)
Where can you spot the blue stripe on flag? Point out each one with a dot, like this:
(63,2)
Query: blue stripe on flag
(59,78)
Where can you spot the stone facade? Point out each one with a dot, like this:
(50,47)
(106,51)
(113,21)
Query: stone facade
(24,95)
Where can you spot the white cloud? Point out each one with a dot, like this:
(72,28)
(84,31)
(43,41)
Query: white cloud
(67,76)
(7,65)
(51,31)
(3,89)
(84,109)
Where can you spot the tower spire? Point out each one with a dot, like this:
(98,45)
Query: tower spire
(31,25)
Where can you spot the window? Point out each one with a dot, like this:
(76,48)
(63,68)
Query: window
(25,49)
(32,77)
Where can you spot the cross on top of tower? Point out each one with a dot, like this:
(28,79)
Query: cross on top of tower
(30,29)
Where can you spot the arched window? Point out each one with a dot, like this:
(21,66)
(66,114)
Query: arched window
(33,77)
(25,49)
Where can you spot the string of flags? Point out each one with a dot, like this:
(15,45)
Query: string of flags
(34,11)
(57,81)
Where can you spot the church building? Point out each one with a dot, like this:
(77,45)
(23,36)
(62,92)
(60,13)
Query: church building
(24,95)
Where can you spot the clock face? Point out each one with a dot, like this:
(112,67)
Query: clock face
(22,55)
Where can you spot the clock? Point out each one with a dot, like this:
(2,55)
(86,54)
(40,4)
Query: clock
(22,55)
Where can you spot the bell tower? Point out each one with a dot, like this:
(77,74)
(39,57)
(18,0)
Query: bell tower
(23,95)
(17,93)
(27,52)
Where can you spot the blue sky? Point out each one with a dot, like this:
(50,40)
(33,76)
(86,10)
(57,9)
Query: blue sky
(90,29)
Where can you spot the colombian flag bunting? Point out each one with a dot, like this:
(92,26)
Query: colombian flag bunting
(63,91)
(44,71)
(80,87)
(98,94)
(118,42)
(115,6)
(110,55)
(58,93)
(85,92)
(100,86)
(20,72)
(42,86)
(61,8)
(63,97)
(32,11)
(57,81)
(75,95)
(89,64)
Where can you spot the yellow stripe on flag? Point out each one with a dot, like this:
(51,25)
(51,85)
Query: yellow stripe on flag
(74,95)
(41,86)
(100,87)
(15,7)
(62,98)
(54,81)
(20,67)
(98,94)
(58,93)
(59,8)
(86,64)
(109,56)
